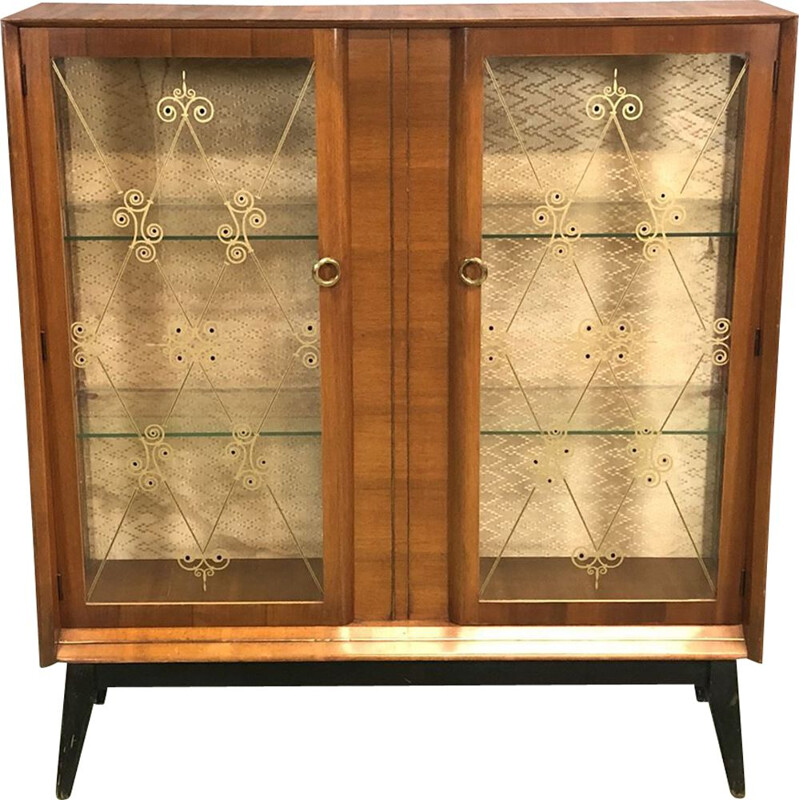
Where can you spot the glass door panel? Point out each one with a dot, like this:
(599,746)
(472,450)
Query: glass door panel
(190,228)
(609,223)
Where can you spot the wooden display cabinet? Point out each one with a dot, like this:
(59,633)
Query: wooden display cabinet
(428,344)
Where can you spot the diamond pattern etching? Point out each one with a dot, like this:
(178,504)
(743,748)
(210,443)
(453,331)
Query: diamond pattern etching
(190,227)
(609,194)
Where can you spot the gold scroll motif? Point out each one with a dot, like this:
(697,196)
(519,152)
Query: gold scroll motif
(156,450)
(652,463)
(720,347)
(146,235)
(550,462)
(597,562)
(233,234)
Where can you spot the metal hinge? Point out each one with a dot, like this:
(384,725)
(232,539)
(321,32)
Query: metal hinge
(24,80)
(743,582)
(757,343)
(43,344)
(775,71)
(59,586)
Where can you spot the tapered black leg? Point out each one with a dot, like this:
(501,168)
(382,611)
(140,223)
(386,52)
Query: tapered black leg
(722,692)
(715,683)
(81,692)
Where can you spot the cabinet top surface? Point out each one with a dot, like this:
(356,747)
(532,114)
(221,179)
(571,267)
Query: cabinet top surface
(99,14)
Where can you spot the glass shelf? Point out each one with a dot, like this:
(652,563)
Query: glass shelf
(670,235)
(612,432)
(300,237)
(682,411)
(599,219)
(186,222)
(197,414)
(192,434)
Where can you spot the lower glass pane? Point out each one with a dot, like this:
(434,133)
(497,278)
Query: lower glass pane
(190,232)
(609,200)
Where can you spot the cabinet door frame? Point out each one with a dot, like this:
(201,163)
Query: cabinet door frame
(328,48)
(759,42)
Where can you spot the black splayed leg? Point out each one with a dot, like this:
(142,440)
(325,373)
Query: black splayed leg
(714,683)
(723,697)
(81,692)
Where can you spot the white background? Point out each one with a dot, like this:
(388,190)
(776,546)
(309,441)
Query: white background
(477,742)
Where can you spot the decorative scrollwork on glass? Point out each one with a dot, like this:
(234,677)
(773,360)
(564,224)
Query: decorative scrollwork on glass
(308,337)
(600,341)
(553,215)
(308,355)
(84,342)
(233,234)
(494,344)
(205,567)
(181,102)
(156,450)
(597,562)
(653,233)
(598,105)
(185,344)
(652,463)
(549,463)
(308,331)
(133,212)
(242,450)
(720,347)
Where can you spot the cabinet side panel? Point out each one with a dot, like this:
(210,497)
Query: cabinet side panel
(736,503)
(429,121)
(755,589)
(370,163)
(43,533)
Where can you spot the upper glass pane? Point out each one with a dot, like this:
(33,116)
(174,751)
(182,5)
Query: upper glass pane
(609,221)
(190,229)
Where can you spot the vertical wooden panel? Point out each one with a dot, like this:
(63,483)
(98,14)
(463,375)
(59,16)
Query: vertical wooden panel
(400,255)
(465,330)
(369,115)
(44,544)
(756,585)
(336,323)
(429,270)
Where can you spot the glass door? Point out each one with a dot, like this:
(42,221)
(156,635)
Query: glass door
(601,294)
(206,310)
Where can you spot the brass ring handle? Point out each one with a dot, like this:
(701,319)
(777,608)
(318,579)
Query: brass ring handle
(326,282)
(468,262)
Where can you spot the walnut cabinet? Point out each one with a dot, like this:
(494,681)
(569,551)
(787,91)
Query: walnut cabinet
(435,338)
